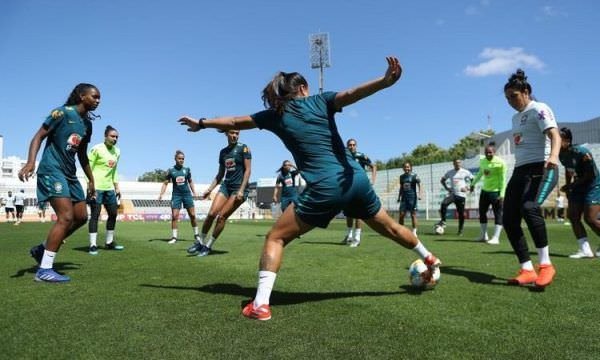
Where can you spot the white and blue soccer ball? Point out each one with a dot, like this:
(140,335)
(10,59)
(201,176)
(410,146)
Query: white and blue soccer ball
(438,229)
(421,277)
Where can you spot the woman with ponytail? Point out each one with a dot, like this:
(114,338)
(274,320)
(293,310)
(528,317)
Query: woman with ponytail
(335,181)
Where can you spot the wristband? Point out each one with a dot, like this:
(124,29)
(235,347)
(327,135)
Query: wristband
(201,123)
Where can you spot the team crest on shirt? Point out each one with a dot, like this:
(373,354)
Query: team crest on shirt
(111,163)
(230,164)
(486,172)
(73,142)
(58,187)
(56,114)
(517,138)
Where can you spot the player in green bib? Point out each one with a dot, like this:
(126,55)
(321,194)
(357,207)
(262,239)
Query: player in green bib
(104,158)
(67,131)
(234,166)
(183,194)
(493,171)
(335,181)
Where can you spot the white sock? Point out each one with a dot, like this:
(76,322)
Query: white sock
(421,250)
(210,242)
(483,230)
(415,231)
(544,255)
(527,265)
(174,233)
(195,228)
(110,236)
(266,280)
(93,237)
(497,231)
(357,233)
(584,245)
(48,259)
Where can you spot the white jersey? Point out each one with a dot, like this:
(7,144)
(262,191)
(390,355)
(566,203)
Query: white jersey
(10,202)
(528,126)
(19,199)
(460,181)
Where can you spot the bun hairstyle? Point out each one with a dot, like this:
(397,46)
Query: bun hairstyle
(518,81)
(108,130)
(281,169)
(178,152)
(566,134)
(280,90)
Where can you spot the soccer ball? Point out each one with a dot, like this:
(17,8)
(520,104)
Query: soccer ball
(420,276)
(438,229)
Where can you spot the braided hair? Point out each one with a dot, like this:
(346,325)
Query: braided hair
(75,98)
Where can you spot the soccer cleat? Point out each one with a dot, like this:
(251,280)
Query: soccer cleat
(598,252)
(347,240)
(37,253)
(460,233)
(547,273)
(204,251)
(431,261)
(51,276)
(113,246)
(354,243)
(580,254)
(172,241)
(262,312)
(483,238)
(441,223)
(196,247)
(493,241)
(525,277)
(93,250)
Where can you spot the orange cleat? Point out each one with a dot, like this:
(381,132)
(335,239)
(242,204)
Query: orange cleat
(525,277)
(262,312)
(547,273)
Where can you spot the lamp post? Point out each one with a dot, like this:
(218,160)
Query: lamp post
(319,54)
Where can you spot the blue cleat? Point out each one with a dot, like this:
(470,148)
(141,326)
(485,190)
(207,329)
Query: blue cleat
(37,253)
(204,251)
(196,247)
(50,276)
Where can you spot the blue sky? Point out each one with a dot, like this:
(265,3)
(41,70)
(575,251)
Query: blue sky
(154,61)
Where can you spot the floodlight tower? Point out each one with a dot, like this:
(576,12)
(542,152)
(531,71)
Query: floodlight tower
(319,54)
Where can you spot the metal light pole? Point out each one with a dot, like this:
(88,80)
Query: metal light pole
(319,54)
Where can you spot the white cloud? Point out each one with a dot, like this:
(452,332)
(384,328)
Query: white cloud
(503,61)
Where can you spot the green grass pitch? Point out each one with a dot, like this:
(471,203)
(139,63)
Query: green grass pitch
(154,301)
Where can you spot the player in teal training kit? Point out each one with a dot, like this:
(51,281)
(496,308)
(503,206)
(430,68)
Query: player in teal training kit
(285,190)
(335,181)
(410,191)
(583,191)
(67,131)
(234,165)
(183,189)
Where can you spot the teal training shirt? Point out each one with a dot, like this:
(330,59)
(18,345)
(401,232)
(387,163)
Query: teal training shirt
(232,159)
(66,132)
(308,130)
(408,185)
(288,184)
(180,177)
(579,160)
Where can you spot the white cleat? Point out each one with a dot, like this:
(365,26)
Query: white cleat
(580,254)
(493,241)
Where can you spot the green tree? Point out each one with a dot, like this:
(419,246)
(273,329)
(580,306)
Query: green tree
(157,175)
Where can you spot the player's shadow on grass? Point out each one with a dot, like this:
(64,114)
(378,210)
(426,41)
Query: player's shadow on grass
(58,267)
(165,240)
(474,276)
(278,297)
(455,238)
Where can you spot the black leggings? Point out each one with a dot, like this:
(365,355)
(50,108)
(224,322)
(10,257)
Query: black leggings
(486,199)
(527,189)
(111,210)
(459,202)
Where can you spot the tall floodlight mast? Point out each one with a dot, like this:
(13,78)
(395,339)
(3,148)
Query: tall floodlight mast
(319,54)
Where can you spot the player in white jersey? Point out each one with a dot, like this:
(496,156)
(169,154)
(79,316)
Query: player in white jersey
(460,180)
(536,141)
